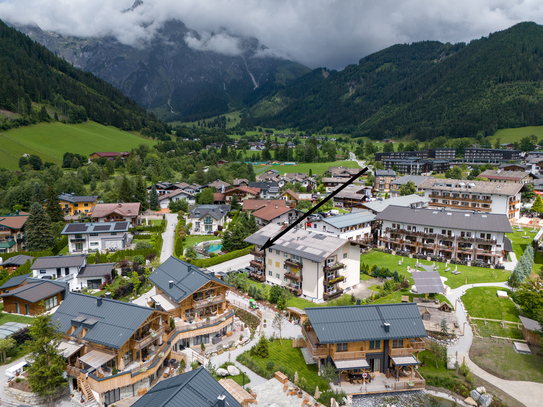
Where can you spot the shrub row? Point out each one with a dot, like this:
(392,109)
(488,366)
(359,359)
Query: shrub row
(221,259)
(61,244)
(6,256)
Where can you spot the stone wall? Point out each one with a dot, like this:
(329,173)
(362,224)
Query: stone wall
(32,399)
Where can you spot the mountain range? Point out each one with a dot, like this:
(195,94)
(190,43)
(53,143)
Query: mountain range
(171,78)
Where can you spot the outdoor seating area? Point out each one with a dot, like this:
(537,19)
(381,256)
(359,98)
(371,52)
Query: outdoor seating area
(283,393)
(379,383)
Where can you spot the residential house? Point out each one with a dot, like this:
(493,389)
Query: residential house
(352,196)
(398,182)
(221,186)
(175,196)
(268,190)
(240,182)
(207,219)
(269,175)
(15,261)
(12,232)
(382,180)
(308,263)
(34,297)
(519,177)
(276,214)
(219,199)
(14,282)
(490,155)
(251,205)
(191,189)
(73,270)
(118,212)
(73,204)
(195,299)
(483,196)
(197,388)
(382,341)
(451,235)
(331,183)
(516,167)
(109,155)
(411,201)
(163,188)
(242,193)
(104,336)
(342,172)
(307,182)
(99,236)
(290,197)
(356,226)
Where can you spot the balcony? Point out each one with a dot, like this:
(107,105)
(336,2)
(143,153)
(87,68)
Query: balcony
(353,355)
(487,241)
(333,279)
(257,253)
(446,248)
(334,267)
(296,290)
(294,276)
(317,351)
(206,302)
(446,237)
(294,264)
(399,352)
(258,276)
(142,343)
(464,250)
(418,344)
(411,242)
(332,294)
(257,264)
(428,246)
(465,239)
(73,371)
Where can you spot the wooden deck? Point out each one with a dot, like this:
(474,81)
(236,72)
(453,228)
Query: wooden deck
(381,384)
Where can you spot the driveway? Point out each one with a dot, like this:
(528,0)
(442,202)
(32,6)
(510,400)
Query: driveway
(168,237)
(234,264)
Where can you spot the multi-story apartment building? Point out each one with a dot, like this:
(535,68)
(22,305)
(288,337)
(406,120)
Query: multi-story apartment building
(453,235)
(382,180)
(355,226)
(368,343)
(490,155)
(483,196)
(308,263)
(74,205)
(416,166)
(519,177)
(436,153)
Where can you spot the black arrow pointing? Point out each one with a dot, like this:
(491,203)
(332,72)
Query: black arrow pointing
(271,241)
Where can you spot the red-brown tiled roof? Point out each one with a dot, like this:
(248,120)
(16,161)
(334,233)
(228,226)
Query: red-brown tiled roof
(248,190)
(123,209)
(255,204)
(271,212)
(15,222)
(291,193)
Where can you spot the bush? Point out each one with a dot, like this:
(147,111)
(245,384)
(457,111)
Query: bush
(276,293)
(143,244)
(261,348)
(139,259)
(221,259)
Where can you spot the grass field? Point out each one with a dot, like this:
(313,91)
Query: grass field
(512,135)
(15,318)
(519,245)
(482,302)
(468,275)
(191,240)
(316,168)
(51,140)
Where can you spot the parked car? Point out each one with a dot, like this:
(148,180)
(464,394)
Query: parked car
(250,269)
(243,271)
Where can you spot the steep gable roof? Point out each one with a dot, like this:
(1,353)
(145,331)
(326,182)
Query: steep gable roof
(215,211)
(123,209)
(271,212)
(14,222)
(247,190)
(185,277)
(292,194)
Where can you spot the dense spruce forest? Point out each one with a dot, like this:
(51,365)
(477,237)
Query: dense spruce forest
(31,73)
(426,89)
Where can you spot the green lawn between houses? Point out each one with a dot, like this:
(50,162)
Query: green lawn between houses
(520,244)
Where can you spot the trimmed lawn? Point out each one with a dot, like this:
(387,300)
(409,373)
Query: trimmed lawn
(520,244)
(482,302)
(289,360)
(241,379)
(469,275)
(191,240)
(495,329)
(500,359)
(396,297)
(316,168)
(4,317)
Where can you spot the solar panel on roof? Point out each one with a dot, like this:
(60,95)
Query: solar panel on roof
(76,228)
(100,228)
(120,225)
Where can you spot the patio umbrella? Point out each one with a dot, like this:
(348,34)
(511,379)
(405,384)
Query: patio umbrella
(334,403)
(317,393)
(296,377)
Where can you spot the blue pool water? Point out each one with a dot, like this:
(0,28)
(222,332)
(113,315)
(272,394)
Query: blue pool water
(214,247)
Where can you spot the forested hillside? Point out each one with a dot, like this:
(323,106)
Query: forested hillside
(31,73)
(425,89)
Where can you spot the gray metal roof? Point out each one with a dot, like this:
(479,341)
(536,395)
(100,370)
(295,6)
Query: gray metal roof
(52,262)
(96,270)
(186,278)
(75,198)
(416,179)
(97,227)
(507,244)
(476,187)
(406,200)
(350,219)
(215,211)
(36,290)
(9,328)
(306,244)
(18,260)
(385,173)
(483,222)
(428,282)
(196,388)
(530,324)
(366,322)
(15,281)
(116,321)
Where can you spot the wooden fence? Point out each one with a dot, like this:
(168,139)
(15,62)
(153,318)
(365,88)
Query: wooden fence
(501,321)
(298,343)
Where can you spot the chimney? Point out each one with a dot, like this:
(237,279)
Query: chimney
(170,283)
(108,295)
(99,301)
(276,206)
(120,205)
(221,401)
(387,327)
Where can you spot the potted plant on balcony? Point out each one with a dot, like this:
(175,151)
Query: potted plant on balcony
(264,323)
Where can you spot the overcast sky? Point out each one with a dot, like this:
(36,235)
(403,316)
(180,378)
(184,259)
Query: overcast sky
(330,33)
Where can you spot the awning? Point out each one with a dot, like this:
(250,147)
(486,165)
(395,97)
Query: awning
(69,348)
(405,361)
(96,358)
(351,364)
(165,302)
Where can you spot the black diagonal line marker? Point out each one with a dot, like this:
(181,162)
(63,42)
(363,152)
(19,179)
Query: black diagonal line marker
(271,241)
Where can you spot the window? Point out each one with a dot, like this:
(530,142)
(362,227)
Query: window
(397,343)
(431,230)
(285,267)
(285,279)
(86,204)
(297,258)
(78,236)
(208,220)
(375,344)
(285,255)
(277,252)
(270,262)
(113,233)
(94,234)
(344,255)
(341,347)
(112,396)
(43,271)
(277,276)
(270,250)
(51,302)
(270,273)
(277,264)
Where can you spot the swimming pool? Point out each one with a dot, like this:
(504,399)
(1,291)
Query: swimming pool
(214,247)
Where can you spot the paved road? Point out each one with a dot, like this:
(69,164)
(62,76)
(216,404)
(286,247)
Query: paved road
(168,237)
(528,393)
(234,264)
(352,157)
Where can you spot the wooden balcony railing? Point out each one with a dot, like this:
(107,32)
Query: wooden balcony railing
(334,267)
(257,253)
(73,371)
(294,276)
(334,294)
(295,290)
(293,263)
(257,264)
(258,276)
(446,248)
(418,344)
(487,241)
(206,302)
(311,341)
(142,343)
(352,355)
(333,279)
(397,352)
